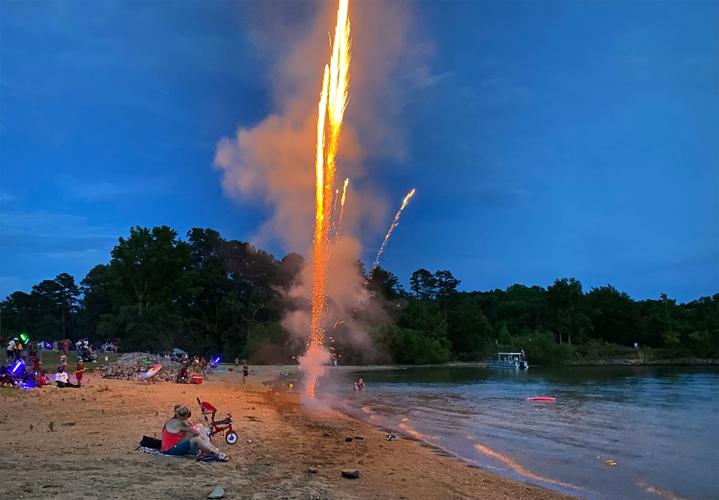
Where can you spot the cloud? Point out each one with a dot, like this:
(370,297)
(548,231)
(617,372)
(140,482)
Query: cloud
(6,197)
(421,77)
(93,190)
(48,234)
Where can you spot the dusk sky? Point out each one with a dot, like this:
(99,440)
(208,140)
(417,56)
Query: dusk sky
(546,139)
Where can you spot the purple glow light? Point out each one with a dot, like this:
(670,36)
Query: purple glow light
(18,364)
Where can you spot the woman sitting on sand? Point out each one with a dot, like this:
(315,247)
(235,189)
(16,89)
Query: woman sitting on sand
(179,437)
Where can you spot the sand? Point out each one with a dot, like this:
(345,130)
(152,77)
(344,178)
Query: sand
(90,450)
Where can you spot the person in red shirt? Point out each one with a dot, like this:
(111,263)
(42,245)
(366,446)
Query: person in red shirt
(79,371)
(180,437)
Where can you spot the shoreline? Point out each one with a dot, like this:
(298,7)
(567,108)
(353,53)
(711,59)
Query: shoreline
(82,442)
(649,362)
(484,364)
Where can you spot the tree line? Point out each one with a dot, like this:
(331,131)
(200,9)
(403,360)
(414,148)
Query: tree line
(207,294)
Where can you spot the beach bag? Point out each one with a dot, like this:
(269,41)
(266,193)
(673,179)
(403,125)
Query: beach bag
(151,442)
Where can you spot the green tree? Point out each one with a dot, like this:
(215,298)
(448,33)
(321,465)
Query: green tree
(613,314)
(97,303)
(148,267)
(468,328)
(423,284)
(384,284)
(567,317)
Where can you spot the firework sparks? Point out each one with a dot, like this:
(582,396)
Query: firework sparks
(395,223)
(331,108)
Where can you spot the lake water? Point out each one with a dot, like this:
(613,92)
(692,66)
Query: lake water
(659,426)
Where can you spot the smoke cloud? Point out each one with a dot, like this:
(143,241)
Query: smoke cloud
(273,161)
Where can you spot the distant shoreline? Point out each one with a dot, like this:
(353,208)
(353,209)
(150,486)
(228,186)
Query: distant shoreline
(484,364)
(649,362)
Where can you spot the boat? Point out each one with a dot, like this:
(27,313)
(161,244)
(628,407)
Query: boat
(516,360)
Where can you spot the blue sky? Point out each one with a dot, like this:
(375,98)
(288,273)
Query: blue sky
(553,139)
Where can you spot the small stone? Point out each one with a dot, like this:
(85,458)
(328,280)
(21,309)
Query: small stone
(218,492)
(312,470)
(249,441)
(350,473)
(348,440)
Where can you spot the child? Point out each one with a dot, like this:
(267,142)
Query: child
(183,375)
(61,378)
(63,360)
(245,371)
(79,370)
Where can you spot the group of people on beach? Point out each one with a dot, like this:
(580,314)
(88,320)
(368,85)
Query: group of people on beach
(24,367)
(62,379)
(198,367)
(198,364)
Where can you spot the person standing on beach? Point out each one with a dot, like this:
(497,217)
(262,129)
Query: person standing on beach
(79,371)
(19,350)
(245,371)
(10,349)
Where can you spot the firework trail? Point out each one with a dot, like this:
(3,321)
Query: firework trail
(334,222)
(392,227)
(331,108)
(342,207)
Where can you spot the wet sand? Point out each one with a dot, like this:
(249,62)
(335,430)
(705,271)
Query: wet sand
(90,451)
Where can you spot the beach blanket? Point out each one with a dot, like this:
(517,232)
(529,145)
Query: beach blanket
(199,458)
(151,451)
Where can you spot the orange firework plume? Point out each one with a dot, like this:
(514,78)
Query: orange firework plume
(333,101)
(392,227)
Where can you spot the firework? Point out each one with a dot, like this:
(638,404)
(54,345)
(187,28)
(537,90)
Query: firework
(331,108)
(342,207)
(395,223)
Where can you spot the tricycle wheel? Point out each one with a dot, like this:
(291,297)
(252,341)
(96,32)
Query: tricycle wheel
(231,437)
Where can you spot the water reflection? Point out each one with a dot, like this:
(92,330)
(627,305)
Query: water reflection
(655,424)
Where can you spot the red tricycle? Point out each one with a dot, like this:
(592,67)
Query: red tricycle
(218,426)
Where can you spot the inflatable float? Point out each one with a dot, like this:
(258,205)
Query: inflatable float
(151,372)
(546,399)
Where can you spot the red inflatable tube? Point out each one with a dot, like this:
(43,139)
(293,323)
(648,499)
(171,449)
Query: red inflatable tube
(548,399)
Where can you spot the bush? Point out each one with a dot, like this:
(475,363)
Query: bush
(415,347)
(265,344)
(541,349)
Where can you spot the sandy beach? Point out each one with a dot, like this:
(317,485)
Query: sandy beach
(80,443)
